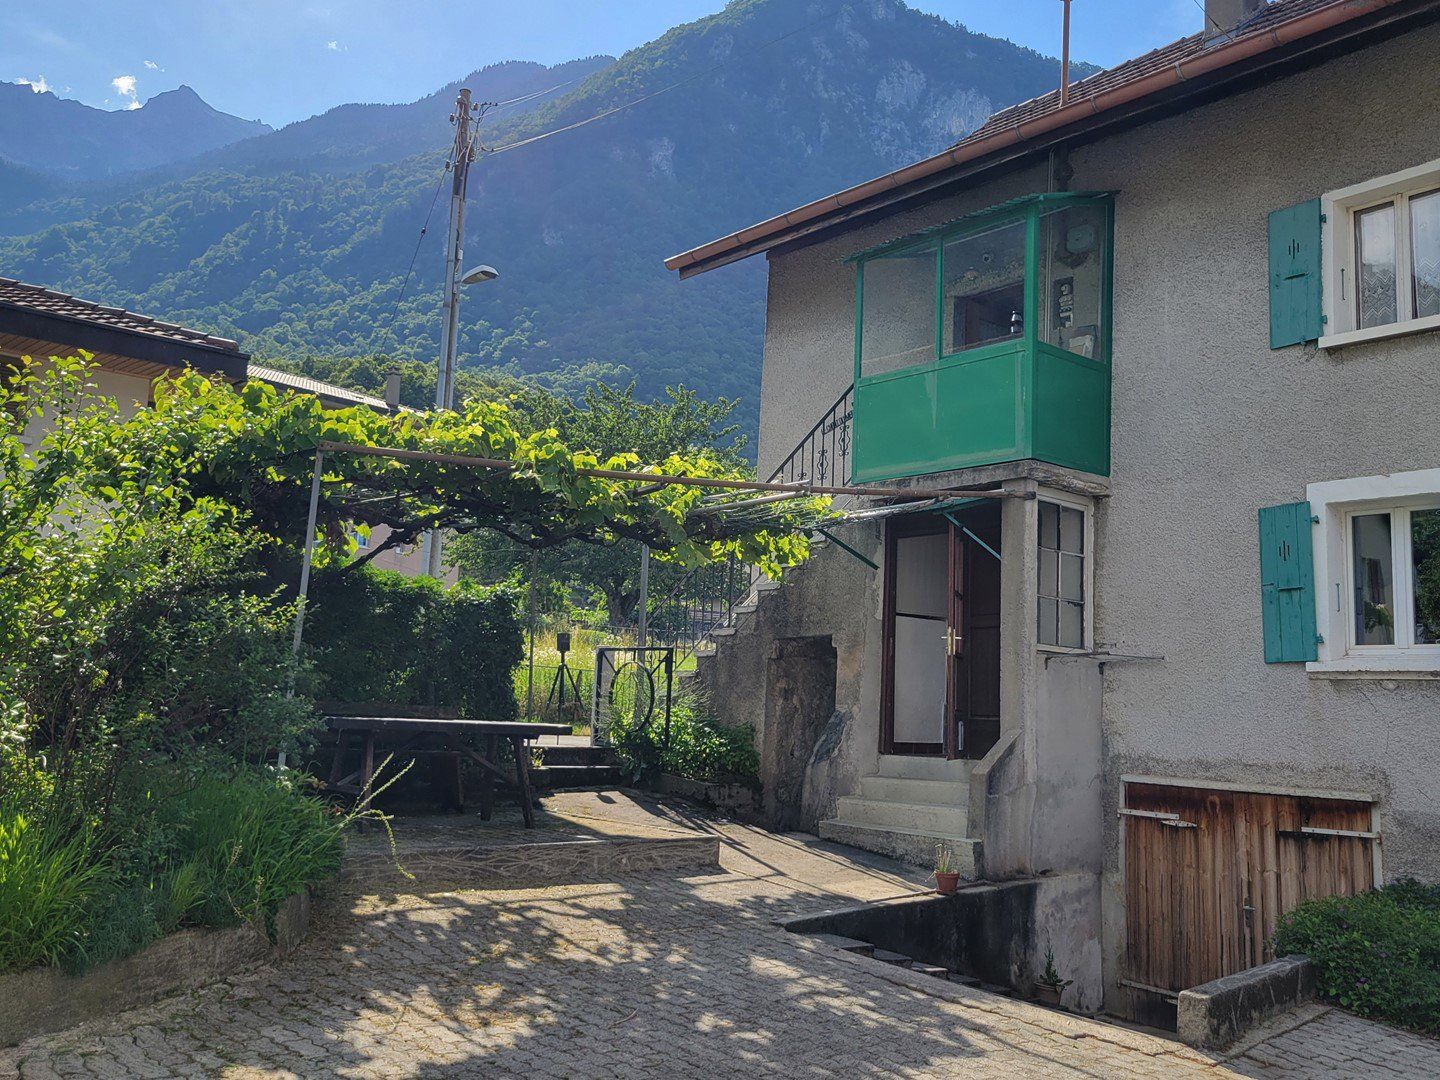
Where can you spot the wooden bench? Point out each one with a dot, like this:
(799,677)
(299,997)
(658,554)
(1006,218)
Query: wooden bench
(448,738)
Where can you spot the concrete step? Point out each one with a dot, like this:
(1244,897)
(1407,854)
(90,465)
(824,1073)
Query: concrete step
(885,956)
(904,766)
(929,818)
(577,755)
(933,970)
(949,793)
(914,846)
(554,777)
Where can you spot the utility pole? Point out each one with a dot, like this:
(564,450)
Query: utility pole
(461,157)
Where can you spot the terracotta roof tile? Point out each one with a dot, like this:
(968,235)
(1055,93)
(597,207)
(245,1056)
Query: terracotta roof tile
(1177,52)
(49,302)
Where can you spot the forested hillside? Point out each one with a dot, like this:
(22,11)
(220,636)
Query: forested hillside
(298,242)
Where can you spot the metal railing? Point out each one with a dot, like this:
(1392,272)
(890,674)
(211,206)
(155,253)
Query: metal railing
(705,599)
(823,455)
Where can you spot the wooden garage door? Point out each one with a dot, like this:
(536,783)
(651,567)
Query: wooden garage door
(1207,873)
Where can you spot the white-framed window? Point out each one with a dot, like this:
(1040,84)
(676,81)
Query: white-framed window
(1064,573)
(1381,244)
(1377,573)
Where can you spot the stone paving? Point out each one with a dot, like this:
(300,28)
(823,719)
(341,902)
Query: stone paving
(661,974)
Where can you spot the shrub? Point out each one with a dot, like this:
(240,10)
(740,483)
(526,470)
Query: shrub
(1377,954)
(377,635)
(699,747)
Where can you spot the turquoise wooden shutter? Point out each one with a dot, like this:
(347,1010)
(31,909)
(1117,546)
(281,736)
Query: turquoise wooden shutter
(1287,583)
(1295,314)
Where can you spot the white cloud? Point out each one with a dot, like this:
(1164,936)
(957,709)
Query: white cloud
(152,65)
(37,84)
(334,46)
(125,86)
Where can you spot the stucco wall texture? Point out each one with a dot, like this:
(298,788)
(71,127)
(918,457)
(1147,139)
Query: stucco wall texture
(1208,425)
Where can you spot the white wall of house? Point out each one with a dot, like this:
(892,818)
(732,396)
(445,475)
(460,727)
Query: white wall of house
(1209,425)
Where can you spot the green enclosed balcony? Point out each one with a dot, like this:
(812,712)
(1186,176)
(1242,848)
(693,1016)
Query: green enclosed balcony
(986,340)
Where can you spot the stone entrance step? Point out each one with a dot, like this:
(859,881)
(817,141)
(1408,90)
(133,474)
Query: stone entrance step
(915,846)
(924,816)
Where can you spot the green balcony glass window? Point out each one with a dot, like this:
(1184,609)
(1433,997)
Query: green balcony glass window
(986,340)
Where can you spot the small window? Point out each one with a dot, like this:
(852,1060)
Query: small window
(1382,257)
(1062,576)
(983,288)
(1394,568)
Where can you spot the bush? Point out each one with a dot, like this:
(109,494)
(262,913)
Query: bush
(377,635)
(699,747)
(1377,954)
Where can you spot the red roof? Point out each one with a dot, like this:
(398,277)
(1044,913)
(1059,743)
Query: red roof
(1167,56)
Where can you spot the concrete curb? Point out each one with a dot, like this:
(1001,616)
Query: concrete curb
(1215,1015)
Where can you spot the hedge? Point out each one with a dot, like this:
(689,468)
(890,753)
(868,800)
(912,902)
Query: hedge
(1377,954)
(379,636)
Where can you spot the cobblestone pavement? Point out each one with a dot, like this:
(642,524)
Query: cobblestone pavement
(652,975)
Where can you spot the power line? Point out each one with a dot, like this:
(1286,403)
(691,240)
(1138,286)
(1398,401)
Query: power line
(665,89)
(424,228)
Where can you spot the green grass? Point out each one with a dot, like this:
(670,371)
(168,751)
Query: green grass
(186,848)
(50,879)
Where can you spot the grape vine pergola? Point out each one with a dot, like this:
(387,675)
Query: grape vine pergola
(734,508)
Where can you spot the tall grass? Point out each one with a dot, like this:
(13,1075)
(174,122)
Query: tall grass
(50,880)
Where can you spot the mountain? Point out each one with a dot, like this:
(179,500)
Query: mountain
(298,242)
(69,140)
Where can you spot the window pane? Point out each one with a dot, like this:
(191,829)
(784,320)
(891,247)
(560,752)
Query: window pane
(1375,250)
(1072,253)
(1061,569)
(1425,556)
(1049,629)
(984,288)
(1072,626)
(1425,252)
(1374,580)
(1072,530)
(897,311)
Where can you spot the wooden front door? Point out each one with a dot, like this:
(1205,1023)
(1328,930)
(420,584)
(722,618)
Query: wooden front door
(941,676)
(1208,873)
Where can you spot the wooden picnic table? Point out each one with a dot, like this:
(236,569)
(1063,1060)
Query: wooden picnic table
(448,739)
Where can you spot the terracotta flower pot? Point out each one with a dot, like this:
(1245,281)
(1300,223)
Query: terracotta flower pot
(945,883)
(1048,993)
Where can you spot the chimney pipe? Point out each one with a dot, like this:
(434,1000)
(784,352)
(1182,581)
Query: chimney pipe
(1065,57)
(392,389)
(1223,16)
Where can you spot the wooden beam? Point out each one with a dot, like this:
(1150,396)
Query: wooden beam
(505,465)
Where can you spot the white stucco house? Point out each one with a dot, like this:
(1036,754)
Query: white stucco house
(1176,658)
(132,351)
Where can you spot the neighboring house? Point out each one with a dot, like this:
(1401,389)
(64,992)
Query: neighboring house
(132,351)
(1187,677)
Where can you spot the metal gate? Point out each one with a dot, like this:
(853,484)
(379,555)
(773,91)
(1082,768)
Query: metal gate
(633,687)
(1208,873)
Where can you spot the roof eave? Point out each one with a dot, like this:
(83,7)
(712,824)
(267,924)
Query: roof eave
(1028,137)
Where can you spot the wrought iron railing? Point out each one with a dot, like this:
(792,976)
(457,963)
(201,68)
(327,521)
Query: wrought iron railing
(823,455)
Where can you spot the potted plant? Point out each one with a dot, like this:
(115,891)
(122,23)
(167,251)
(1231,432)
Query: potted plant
(1050,986)
(946,876)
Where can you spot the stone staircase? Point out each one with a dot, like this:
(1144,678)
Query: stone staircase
(907,810)
(911,806)
(571,766)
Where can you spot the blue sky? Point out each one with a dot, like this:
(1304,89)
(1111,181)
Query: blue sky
(284,60)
